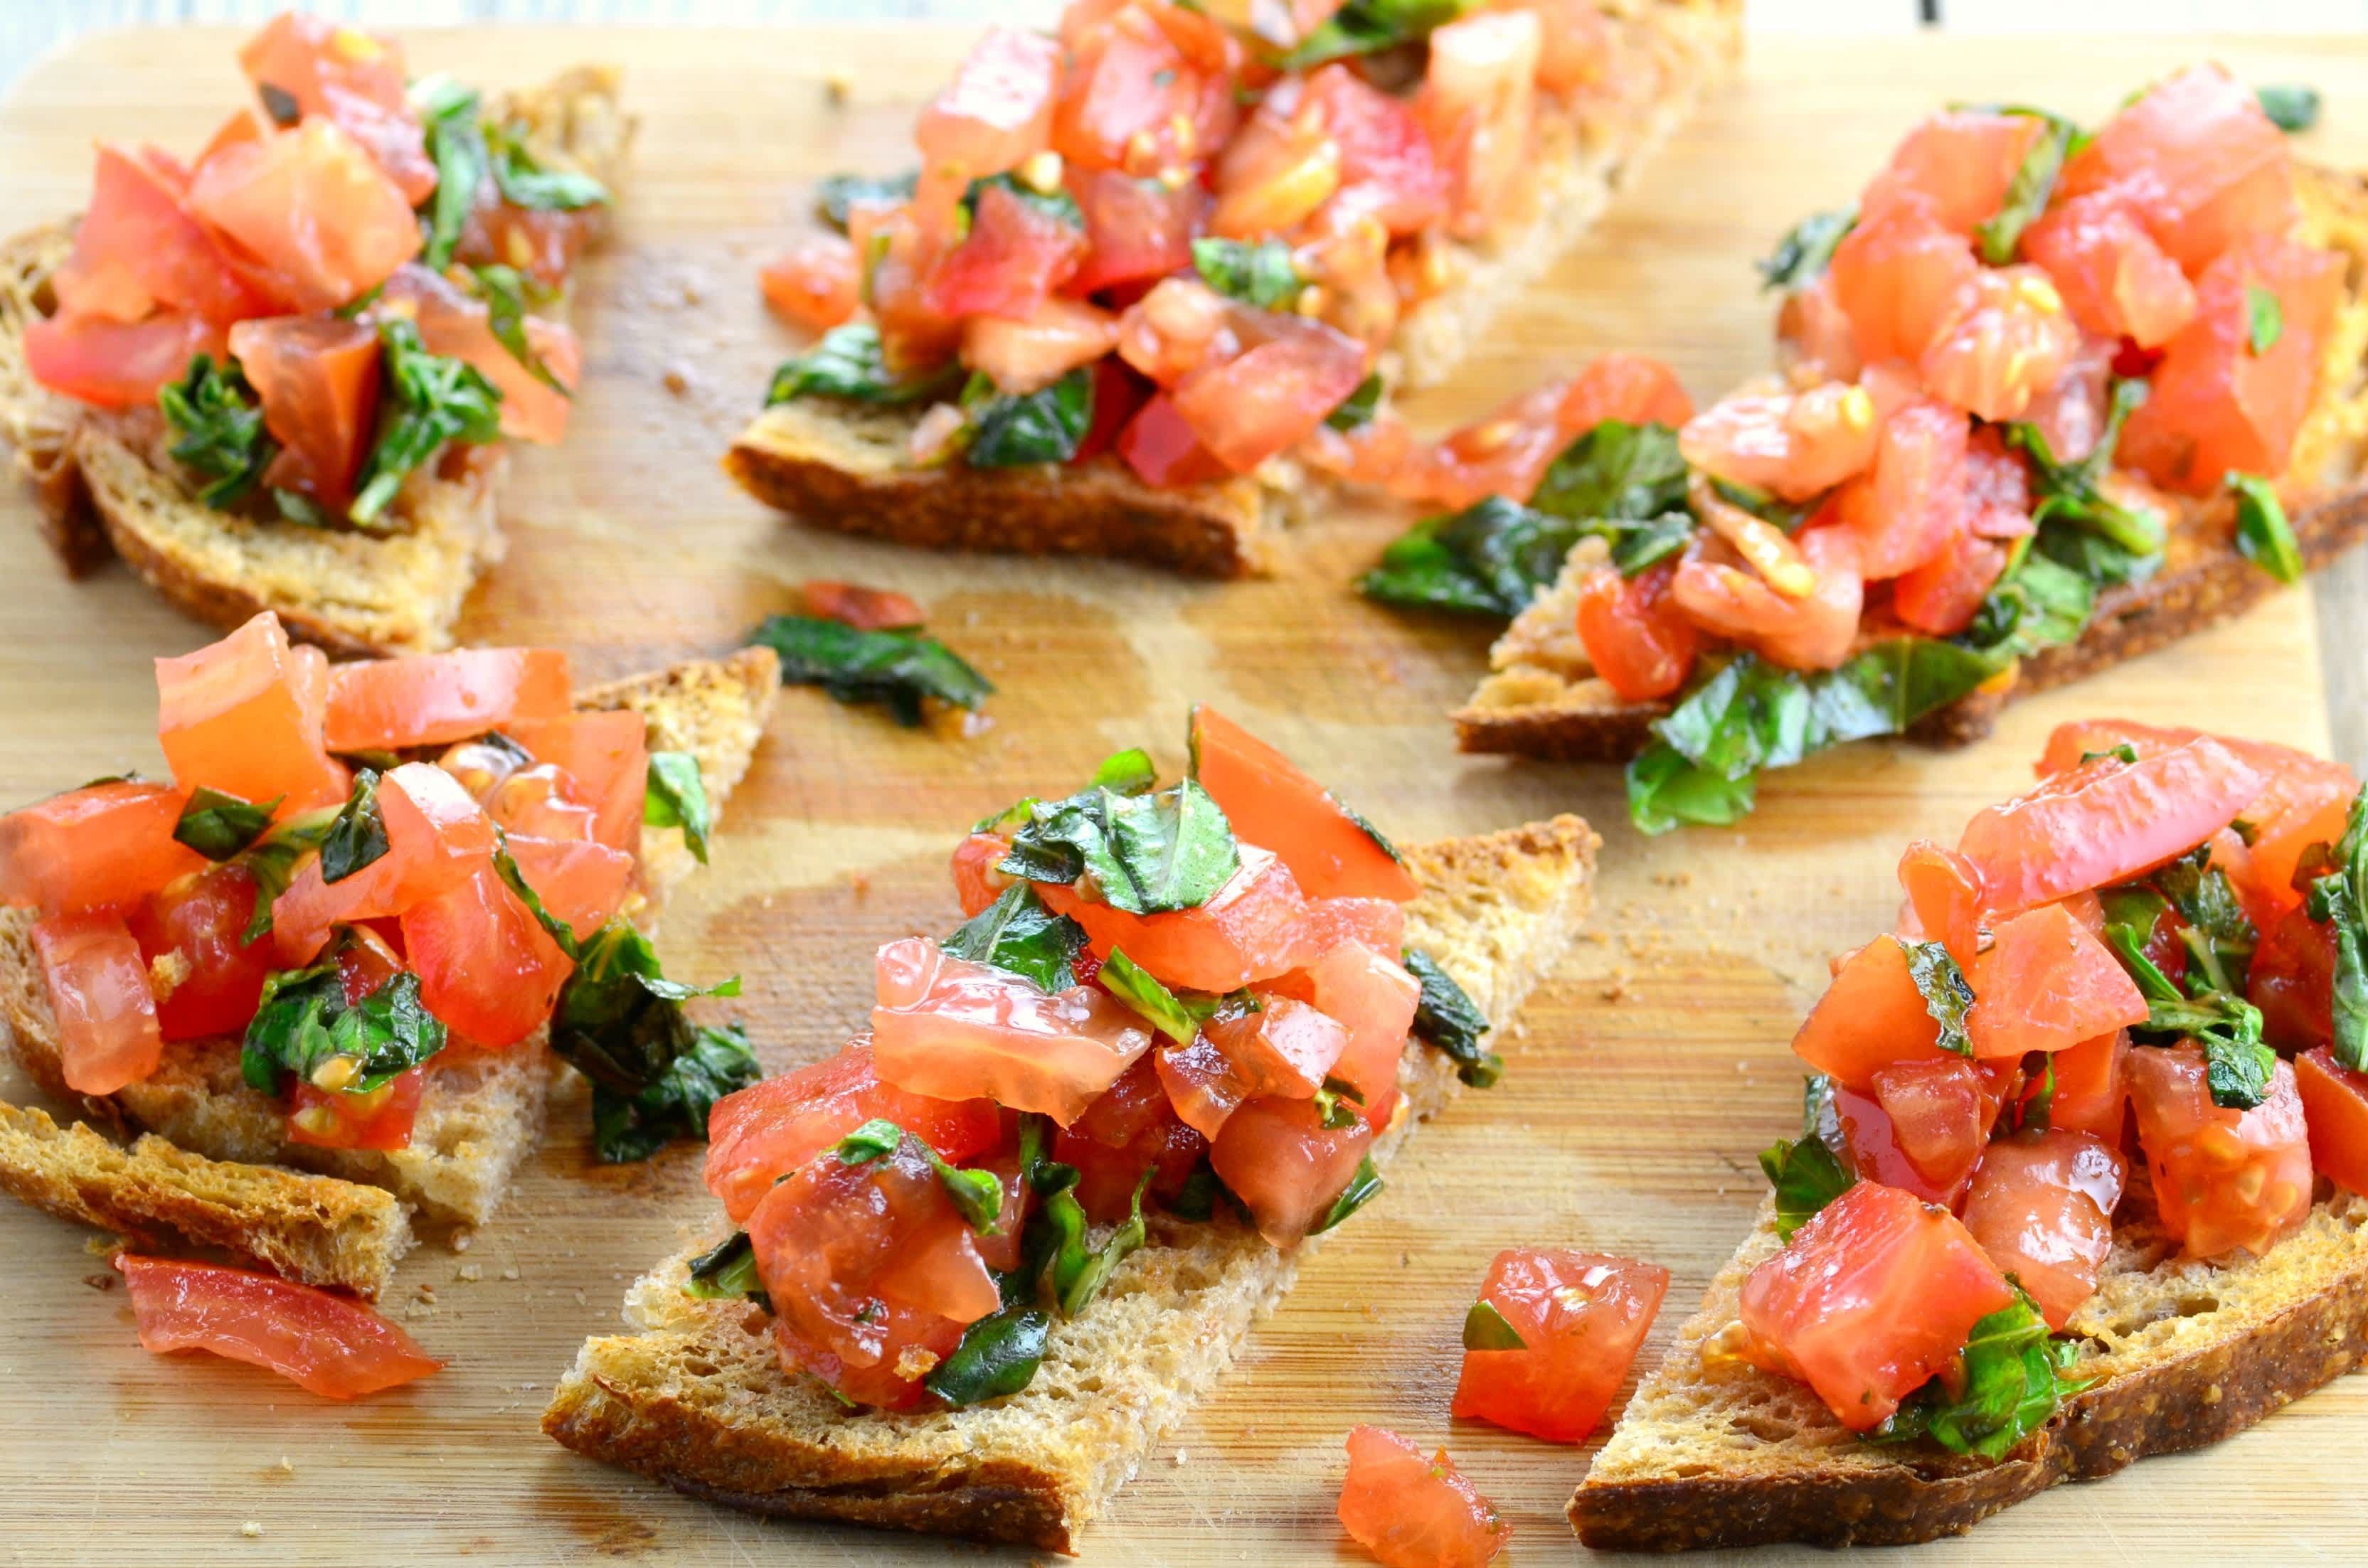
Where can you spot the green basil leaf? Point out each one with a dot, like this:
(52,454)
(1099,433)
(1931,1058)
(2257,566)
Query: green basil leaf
(1446,1016)
(528,182)
(221,826)
(449,114)
(676,796)
(1257,272)
(1802,256)
(2265,320)
(837,195)
(1490,558)
(1017,935)
(897,669)
(506,292)
(2013,1383)
(2263,535)
(2001,235)
(1947,995)
(848,362)
(2228,1029)
(1615,470)
(2290,105)
(1806,1172)
(273,858)
(1056,203)
(871,1141)
(1648,543)
(2339,900)
(429,402)
(1147,854)
(217,426)
(1486,1328)
(1337,1101)
(1370,26)
(1085,1282)
(1666,792)
(358,837)
(301,1025)
(727,1271)
(2221,936)
(998,1356)
(655,1073)
(2036,603)
(1043,426)
(1128,772)
(1358,408)
(2069,493)
(1363,1188)
(676,1102)
(1160,1007)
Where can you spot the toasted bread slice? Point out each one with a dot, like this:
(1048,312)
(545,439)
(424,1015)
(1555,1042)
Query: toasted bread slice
(314,1229)
(106,485)
(482,1112)
(1714,1452)
(1541,698)
(696,1396)
(847,467)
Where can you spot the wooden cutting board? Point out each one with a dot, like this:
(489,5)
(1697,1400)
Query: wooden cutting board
(1646,1075)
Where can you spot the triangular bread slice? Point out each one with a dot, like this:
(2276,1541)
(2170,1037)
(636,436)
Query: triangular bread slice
(846,467)
(696,1396)
(105,484)
(1541,698)
(1714,1452)
(481,1113)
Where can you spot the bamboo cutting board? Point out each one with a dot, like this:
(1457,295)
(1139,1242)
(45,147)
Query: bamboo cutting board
(1647,1073)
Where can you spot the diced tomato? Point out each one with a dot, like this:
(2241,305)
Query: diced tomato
(761,1133)
(1129,1131)
(1811,634)
(543,243)
(2104,822)
(580,882)
(209,975)
(1375,997)
(371,1119)
(2006,342)
(2041,1206)
(1871,1299)
(1632,388)
(1943,595)
(306,215)
(1872,1150)
(1960,161)
(853,603)
(1021,357)
(2092,1088)
(2115,280)
(2291,981)
(244,716)
(486,965)
(2045,983)
(2335,1103)
(914,335)
(1897,275)
(115,364)
(1279,168)
(318,379)
(137,249)
(1330,851)
(872,1273)
(352,77)
(608,756)
(1814,338)
(2070,415)
(816,284)
(433,698)
(1937,1114)
(1582,1316)
(1375,453)
(954,1029)
(1633,632)
(976,881)
(1386,164)
(998,111)
(1909,508)
(367,959)
(2223,1179)
(1136,230)
(325,1344)
(1148,89)
(2217,404)
(1870,1016)
(101,847)
(438,839)
(1945,892)
(454,324)
(1998,487)
(1015,255)
(1285,1049)
(2201,162)
(98,982)
(1266,401)
(1118,394)
(1182,325)
(1285,1165)
(1506,454)
(1478,95)
(1798,445)
(1413,1512)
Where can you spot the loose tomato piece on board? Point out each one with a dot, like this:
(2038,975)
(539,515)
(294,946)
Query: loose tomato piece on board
(1909,507)
(998,111)
(486,965)
(325,1344)
(1896,275)
(1506,454)
(1581,1317)
(115,364)
(378,1119)
(196,925)
(2335,1103)
(137,249)
(1795,444)
(2004,344)
(2223,1179)
(306,215)
(1285,1165)
(1331,851)
(1412,1512)
(2292,983)
(608,756)
(761,1133)
(108,1035)
(816,284)
(2041,1206)
(1634,633)
(317,377)
(1025,355)
(1814,632)
(2202,165)
(103,846)
(1871,1299)
(244,716)
(2115,280)
(1130,1130)
(2092,1088)
(954,1029)
(1285,1050)
(1870,1016)
(2104,822)
(2045,983)
(427,699)
(1479,92)
(1961,161)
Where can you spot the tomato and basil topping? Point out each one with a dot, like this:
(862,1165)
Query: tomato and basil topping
(357,870)
(2080,986)
(1165,1005)
(350,279)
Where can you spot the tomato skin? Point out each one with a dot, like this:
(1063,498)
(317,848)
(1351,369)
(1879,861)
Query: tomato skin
(97,983)
(816,284)
(1813,633)
(245,715)
(1285,1049)
(1268,400)
(2006,342)
(203,920)
(1960,161)
(137,249)
(2223,1179)
(1872,1297)
(1909,507)
(101,847)
(114,364)
(608,756)
(1022,356)
(458,326)
(305,214)
(1506,454)
(1870,1016)
(325,1344)
(2092,1088)
(2104,822)
(486,965)
(1896,275)
(953,1029)
(1797,445)
(380,1118)
(318,379)
(1415,1511)
(2115,280)
(2335,1105)
(2292,983)
(1477,100)
(1633,631)
(1270,801)
(426,700)
(2041,1206)
(1583,1317)
(2201,162)
(2045,983)
(1286,1167)
(1013,258)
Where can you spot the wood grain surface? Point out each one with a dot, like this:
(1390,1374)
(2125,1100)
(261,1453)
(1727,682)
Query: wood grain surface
(1647,1075)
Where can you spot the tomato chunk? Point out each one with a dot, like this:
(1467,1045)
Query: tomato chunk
(1285,1050)
(1412,1512)
(1387,166)
(1796,445)
(1130,1132)
(953,1029)
(1267,401)
(1814,632)
(2041,1206)
(1960,161)
(197,926)
(137,249)
(2045,983)
(1276,171)
(1374,998)
(1945,893)
(1943,595)
(606,754)
(2292,983)
(101,847)
(2115,280)
(2003,346)
(816,284)
(2223,1179)
(1633,632)
(2092,1088)
(1870,1018)
(1896,275)
(244,716)
(352,77)
(2200,162)
(998,111)
(438,839)
(1136,230)
(1285,1165)
(306,215)
(432,698)
(371,1119)
(579,882)
(318,379)
(486,965)
(454,325)
(1938,1114)
(1870,1300)
(323,1344)
(115,364)
(1872,1150)
(2335,1103)
(1330,851)
(108,1034)
(1909,508)
(1582,1316)
(1476,100)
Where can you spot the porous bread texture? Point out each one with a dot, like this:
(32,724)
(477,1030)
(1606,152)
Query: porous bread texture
(106,485)
(312,1229)
(1542,698)
(696,1395)
(848,467)
(1712,1451)
(480,1113)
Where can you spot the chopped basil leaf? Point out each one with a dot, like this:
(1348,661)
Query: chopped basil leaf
(218,428)
(220,826)
(2339,899)
(1363,1188)
(358,837)
(675,795)
(1046,425)
(301,1025)
(2263,535)
(1056,203)
(839,196)
(630,1127)
(870,1141)
(272,860)
(1128,772)
(528,182)
(1802,256)
(295,507)
(1490,558)
(655,1073)
(2265,320)
(1160,1007)
(2026,195)
(1486,1328)
(1336,1100)
(2069,493)
(2012,1382)
(456,143)
(726,1270)
(1357,409)
(1369,27)
(1947,995)
(998,1356)
(1147,854)
(1076,1287)
(1257,272)
(1017,935)
(2037,603)
(896,669)
(1448,1018)
(1805,1176)
(2220,934)
(431,400)
(2238,1065)
(2290,105)
(848,362)
(1615,471)
(279,104)
(506,291)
